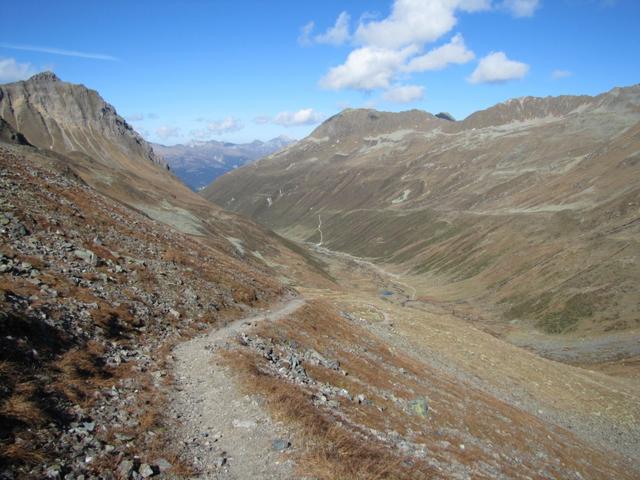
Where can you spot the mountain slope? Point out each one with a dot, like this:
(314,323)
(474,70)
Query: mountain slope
(74,121)
(528,210)
(199,163)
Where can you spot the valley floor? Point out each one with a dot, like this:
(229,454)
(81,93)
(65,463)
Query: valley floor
(491,409)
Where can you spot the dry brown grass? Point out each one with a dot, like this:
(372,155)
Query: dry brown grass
(20,407)
(458,412)
(330,451)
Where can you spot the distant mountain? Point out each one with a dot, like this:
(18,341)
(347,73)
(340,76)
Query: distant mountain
(199,163)
(530,206)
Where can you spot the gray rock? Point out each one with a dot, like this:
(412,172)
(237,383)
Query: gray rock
(280,444)
(125,469)
(54,472)
(87,256)
(163,464)
(147,470)
(89,426)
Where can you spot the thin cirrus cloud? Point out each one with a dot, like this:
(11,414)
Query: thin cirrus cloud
(60,51)
(12,71)
(304,116)
(497,68)
(388,51)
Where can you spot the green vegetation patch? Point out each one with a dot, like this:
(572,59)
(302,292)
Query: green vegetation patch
(578,307)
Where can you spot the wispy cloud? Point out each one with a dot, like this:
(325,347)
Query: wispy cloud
(167,131)
(404,94)
(560,74)
(10,70)
(135,117)
(60,51)
(217,127)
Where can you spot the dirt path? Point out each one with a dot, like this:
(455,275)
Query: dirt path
(227,434)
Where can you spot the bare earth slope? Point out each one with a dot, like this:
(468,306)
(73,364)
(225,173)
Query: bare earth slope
(527,214)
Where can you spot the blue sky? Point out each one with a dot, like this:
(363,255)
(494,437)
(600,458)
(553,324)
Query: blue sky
(237,71)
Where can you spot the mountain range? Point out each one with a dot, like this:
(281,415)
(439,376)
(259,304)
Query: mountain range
(530,208)
(146,331)
(198,163)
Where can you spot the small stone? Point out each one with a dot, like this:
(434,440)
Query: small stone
(54,472)
(87,256)
(220,462)
(280,444)
(89,426)
(125,468)
(162,464)
(175,313)
(147,470)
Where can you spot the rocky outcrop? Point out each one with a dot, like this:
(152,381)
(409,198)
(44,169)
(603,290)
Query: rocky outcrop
(65,117)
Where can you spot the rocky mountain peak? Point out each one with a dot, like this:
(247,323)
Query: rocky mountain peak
(66,117)
(47,76)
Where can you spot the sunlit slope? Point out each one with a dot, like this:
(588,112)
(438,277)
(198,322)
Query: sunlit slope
(531,207)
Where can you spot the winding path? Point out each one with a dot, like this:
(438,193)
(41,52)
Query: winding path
(227,433)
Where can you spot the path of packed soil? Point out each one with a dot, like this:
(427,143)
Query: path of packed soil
(227,433)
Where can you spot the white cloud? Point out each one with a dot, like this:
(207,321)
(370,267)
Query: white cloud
(390,49)
(454,52)
(415,22)
(306,116)
(165,131)
(404,94)
(497,68)
(60,51)
(338,34)
(12,71)
(521,8)
(226,125)
(216,127)
(559,74)
(366,68)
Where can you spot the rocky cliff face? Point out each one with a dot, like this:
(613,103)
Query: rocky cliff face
(64,117)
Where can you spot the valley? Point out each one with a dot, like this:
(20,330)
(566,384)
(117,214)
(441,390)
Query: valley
(396,296)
